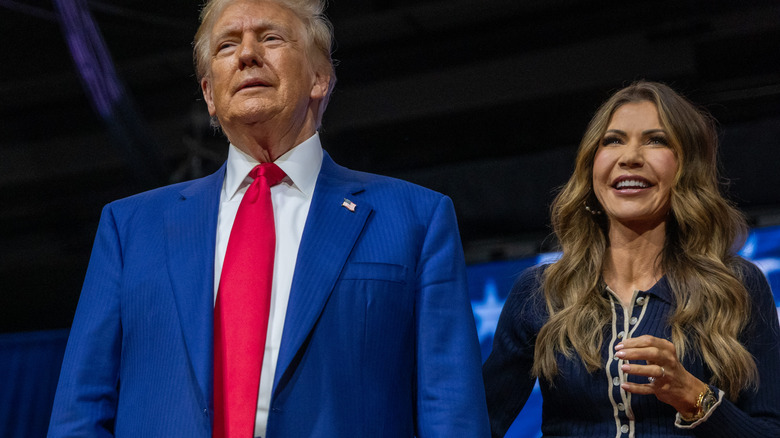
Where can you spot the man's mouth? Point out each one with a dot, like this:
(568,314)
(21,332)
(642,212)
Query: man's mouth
(253,83)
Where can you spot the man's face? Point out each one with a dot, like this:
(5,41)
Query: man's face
(260,70)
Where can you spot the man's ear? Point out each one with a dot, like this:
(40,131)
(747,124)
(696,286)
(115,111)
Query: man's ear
(208,96)
(319,89)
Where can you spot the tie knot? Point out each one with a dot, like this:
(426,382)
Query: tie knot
(269,171)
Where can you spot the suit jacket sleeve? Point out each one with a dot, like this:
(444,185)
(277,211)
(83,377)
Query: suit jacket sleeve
(85,402)
(450,393)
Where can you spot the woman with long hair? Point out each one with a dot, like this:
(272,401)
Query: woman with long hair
(649,324)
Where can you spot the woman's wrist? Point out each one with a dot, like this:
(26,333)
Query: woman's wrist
(704,401)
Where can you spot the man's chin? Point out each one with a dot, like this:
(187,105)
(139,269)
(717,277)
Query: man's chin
(250,113)
(236,125)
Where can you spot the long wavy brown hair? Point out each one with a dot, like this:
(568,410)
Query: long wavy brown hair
(699,259)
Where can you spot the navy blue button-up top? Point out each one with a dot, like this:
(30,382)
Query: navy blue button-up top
(583,404)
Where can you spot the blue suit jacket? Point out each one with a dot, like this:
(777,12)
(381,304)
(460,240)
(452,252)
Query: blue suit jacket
(379,338)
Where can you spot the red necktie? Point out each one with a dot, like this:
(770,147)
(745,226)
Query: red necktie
(241,310)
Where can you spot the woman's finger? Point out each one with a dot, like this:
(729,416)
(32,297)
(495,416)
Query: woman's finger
(654,373)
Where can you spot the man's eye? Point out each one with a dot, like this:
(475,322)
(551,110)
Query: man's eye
(225,45)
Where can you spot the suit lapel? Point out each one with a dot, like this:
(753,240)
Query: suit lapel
(329,235)
(190,229)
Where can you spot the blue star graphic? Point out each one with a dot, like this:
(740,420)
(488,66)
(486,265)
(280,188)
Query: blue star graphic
(487,311)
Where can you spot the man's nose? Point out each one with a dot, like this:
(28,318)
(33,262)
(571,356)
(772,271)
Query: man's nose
(249,53)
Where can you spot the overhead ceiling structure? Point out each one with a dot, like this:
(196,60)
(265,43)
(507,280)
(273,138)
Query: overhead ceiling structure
(484,101)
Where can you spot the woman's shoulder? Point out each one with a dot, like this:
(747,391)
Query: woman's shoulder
(530,279)
(764,313)
(526,298)
(751,275)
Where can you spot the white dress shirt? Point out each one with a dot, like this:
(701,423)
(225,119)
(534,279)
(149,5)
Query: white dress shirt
(291,200)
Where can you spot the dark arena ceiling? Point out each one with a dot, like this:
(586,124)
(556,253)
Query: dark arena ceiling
(483,100)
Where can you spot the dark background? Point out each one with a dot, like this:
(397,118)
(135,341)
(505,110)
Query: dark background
(483,100)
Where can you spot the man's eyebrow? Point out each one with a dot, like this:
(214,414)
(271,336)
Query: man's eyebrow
(225,31)
(258,25)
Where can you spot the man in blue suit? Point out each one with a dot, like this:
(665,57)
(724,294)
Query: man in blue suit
(370,332)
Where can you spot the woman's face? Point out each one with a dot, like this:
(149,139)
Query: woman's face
(634,168)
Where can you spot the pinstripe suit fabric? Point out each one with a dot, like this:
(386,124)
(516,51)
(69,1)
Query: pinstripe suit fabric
(379,338)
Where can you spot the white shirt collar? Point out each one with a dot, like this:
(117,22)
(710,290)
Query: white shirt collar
(301,164)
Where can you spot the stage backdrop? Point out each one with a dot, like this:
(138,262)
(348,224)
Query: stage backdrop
(490,283)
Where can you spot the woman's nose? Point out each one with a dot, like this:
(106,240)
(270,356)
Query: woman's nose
(631,156)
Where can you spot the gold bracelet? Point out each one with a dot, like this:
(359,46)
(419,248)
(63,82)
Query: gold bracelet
(703,404)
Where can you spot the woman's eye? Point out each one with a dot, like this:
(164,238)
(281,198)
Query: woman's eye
(610,140)
(658,140)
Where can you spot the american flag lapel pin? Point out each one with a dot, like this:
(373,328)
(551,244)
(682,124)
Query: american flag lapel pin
(349,205)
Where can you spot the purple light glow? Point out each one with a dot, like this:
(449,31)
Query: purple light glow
(91,56)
